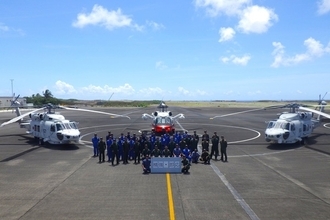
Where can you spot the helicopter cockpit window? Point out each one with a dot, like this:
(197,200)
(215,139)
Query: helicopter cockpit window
(59,127)
(293,127)
(67,126)
(282,125)
(271,124)
(52,128)
(73,125)
(163,120)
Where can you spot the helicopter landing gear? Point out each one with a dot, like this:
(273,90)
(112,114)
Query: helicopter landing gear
(303,140)
(41,141)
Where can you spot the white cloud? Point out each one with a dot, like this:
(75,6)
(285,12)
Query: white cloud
(147,92)
(313,49)
(64,88)
(126,89)
(197,93)
(155,26)
(200,92)
(160,65)
(226,34)
(7,29)
(323,7)
(217,7)
(252,18)
(183,91)
(102,17)
(236,60)
(256,19)
(3,27)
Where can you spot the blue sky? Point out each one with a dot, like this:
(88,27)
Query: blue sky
(170,50)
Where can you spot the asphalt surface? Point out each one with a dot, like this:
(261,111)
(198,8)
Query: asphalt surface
(260,181)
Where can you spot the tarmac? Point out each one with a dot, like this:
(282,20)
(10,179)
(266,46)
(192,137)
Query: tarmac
(260,180)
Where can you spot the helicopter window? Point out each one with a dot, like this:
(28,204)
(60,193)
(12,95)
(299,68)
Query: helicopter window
(293,127)
(73,125)
(52,128)
(304,127)
(59,127)
(271,124)
(67,126)
(163,120)
(282,125)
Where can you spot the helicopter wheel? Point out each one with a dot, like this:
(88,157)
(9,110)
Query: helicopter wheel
(303,140)
(41,141)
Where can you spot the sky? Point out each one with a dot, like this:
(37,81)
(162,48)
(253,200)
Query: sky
(166,50)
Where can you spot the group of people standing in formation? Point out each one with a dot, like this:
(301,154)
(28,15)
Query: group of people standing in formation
(141,148)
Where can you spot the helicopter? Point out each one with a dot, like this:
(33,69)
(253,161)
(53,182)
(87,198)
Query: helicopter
(296,125)
(49,127)
(293,126)
(163,121)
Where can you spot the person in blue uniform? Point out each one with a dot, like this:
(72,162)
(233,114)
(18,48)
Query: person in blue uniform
(195,156)
(186,151)
(177,151)
(95,141)
(146,165)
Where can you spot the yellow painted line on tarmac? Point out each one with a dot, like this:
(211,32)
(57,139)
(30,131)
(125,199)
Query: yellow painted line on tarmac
(170,197)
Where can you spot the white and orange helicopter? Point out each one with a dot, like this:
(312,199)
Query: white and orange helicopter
(163,121)
(46,126)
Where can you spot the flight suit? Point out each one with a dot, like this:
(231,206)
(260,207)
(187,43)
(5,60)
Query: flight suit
(185,165)
(215,146)
(223,149)
(101,148)
(114,149)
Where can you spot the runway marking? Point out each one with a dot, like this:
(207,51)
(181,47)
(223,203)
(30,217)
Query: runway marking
(236,113)
(236,195)
(228,126)
(262,154)
(170,197)
(327,125)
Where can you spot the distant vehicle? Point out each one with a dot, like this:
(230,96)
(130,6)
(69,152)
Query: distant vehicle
(162,121)
(47,126)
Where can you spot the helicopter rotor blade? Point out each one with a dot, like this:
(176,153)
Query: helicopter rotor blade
(20,117)
(236,113)
(315,111)
(98,112)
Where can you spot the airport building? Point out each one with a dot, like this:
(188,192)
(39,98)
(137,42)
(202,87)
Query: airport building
(5,101)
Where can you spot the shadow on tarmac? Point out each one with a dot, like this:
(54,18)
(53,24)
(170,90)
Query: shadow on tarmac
(62,147)
(276,146)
